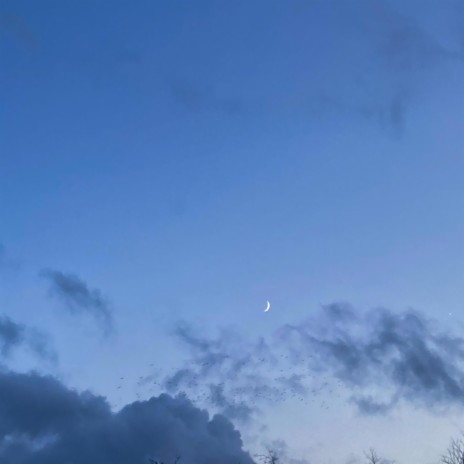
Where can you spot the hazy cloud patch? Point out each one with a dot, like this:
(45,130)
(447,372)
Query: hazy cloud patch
(14,336)
(232,374)
(376,75)
(403,42)
(79,298)
(13,25)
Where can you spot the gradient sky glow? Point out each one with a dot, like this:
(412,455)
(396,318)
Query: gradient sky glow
(175,164)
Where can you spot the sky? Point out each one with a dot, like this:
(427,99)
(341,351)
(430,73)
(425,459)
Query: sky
(166,168)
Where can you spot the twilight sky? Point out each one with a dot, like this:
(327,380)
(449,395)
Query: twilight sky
(166,167)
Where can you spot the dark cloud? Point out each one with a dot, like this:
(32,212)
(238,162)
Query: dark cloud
(11,335)
(340,312)
(14,336)
(44,422)
(78,298)
(402,353)
(368,405)
(378,358)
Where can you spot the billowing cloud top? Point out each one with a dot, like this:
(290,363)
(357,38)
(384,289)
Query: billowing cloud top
(44,422)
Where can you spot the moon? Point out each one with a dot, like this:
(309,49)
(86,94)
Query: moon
(268,307)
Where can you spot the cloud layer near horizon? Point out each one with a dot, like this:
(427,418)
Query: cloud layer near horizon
(44,422)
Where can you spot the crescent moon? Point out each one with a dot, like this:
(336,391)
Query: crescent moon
(268,307)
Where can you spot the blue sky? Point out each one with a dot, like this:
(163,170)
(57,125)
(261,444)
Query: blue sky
(187,161)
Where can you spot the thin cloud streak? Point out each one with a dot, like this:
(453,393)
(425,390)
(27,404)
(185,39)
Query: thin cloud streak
(79,298)
(14,336)
(393,55)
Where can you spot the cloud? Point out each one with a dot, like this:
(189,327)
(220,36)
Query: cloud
(44,422)
(234,410)
(403,42)
(376,359)
(231,374)
(394,54)
(369,406)
(402,353)
(78,298)
(14,336)
(11,335)
(384,56)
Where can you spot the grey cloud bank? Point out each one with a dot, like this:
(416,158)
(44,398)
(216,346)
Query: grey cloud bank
(43,421)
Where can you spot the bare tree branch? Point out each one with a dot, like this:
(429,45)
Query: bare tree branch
(455,452)
(271,457)
(372,456)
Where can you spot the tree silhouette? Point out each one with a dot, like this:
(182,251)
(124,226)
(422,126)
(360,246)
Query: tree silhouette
(455,452)
(373,458)
(271,457)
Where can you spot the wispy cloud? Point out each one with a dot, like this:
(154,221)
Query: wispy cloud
(399,352)
(378,358)
(403,42)
(11,335)
(231,373)
(375,76)
(14,25)
(79,298)
(14,336)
